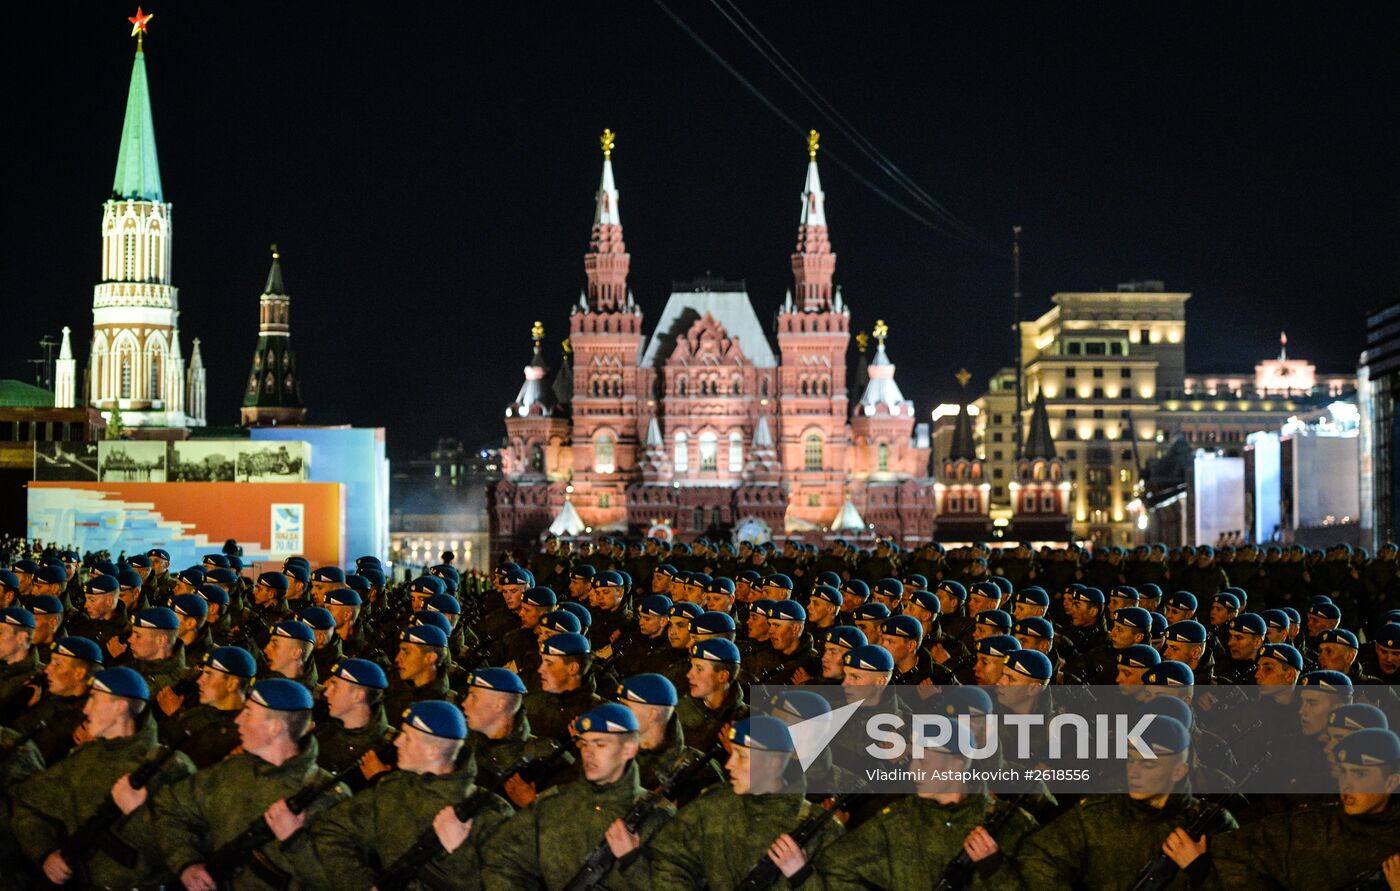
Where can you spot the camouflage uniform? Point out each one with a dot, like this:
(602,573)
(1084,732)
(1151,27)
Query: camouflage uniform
(212,734)
(1313,849)
(701,724)
(15,766)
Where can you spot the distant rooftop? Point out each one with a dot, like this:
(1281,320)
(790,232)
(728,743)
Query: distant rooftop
(15,393)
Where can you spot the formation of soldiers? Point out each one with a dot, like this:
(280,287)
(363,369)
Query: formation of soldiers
(581,720)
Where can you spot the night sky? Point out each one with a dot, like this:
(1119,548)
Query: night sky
(428,170)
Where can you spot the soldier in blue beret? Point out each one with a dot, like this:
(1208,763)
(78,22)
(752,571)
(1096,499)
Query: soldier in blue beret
(346,605)
(1384,662)
(1169,673)
(836,641)
(154,648)
(49,613)
(720,595)
(1121,596)
(224,680)
(1180,606)
(645,647)
(543,845)
(326,650)
(567,686)
(1319,692)
(288,653)
(1133,661)
(652,699)
(1027,602)
(890,592)
(789,647)
(500,731)
(421,665)
(1089,656)
(72,663)
(854,593)
(1345,720)
(1243,637)
(870,619)
(1337,649)
(714,696)
(983,596)
(991,657)
(104,616)
(50,804)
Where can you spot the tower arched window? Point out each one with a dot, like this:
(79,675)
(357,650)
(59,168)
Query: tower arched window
(155,363)
(125,390)
(883,457)
(736,386)
(763,388)
(736,452)
(812,451)
(680,386)
(682,461)
(709,452)
(803,387)
(603,448)
(129,254)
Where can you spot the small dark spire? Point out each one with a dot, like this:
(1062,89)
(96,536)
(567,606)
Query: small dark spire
(564,380)
(962,448)
(1039,443)
(274,275)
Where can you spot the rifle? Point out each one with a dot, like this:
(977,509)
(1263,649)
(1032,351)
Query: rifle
(244,849)
(404,871)
(23,738)
(765,872)
(1370,880)
(1209,820)
(96,830)
(957,875)
(601,859)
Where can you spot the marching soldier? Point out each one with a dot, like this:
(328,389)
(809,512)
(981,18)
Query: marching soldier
(60,709)
(223,688)
(356,724)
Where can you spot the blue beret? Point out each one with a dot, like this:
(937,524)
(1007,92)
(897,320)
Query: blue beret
(1275,618)
(581,571)
(26,566)
(357,583)
(1149,591)
(1182,600)
(1035,596)
(216,560)
(1313,600)
(649,689)
(778,581)
(44,605)
(53,575)
(1036,626)
(193,576)
(994,618)
(712,623)
(1285,653)
(159,554)
(560,622)
(926,600)
(436,717)
(318,617)
(192,605)
(448,605)
(1166,735)
(750,576)
(213,594)
(345,597)
(1249,623)
(1133,617)
(1388,636)
(1338,636)
(787,611)
(274,580)
(124,682)
(997,645)
(763,732)
(967,699)
(715,649)
(847,636)
(424,635)
(801,704)
(607,579)
(9,580)
(685,609)
(297,571)
(1187,631)
(890,587)
(868,658)
(139,560)
(1159,624)
(1170,707)
(374,576)
(448,573)
(582,613)
(78,648)
(1087,595)
(295,629)
(221,576)
(721,585)
(280,694)
(102,584)
(1002,582)
(235,563)
(501,680)
(1327,681)
(297,561)
(1169,674)
(128,578)
(667,570)
(906,627)
(1228,600)
(871,612)
(1373,747)
(607,718)
(568,644)
(827,593)
(1357,716)
(427,584)
(855,588)
(913,580)
(1125,592)
(232,660)
(104,567)
(538,597)
(655,605)
(761,606)
(1328,610)
(158,617)
(1138,656)
(1031,663)
(829,578)
(986,589)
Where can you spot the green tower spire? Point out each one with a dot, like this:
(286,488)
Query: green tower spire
(138,170)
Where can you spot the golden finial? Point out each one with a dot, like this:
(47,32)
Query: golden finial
(963,377)
(813,143)
(568,346)
(276,254)
(862,341)
(537,331)
(139,23)
(881,331)
(607,141)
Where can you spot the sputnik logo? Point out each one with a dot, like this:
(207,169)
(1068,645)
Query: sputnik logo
(812,736)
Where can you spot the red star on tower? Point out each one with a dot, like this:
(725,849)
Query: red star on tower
(139,23)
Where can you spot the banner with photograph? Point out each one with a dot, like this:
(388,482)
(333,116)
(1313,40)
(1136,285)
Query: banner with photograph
(65,461)
(131,461)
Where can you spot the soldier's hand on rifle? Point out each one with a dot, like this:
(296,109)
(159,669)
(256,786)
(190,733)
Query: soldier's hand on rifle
(450,831)
(1391,870)
(169,701)
(520,792)
(788,855)
(280,819)
(620,841)
(371,766)
(197,878)
(980,845)
(127,798)
(1182,848)
(115,647)
(56,870)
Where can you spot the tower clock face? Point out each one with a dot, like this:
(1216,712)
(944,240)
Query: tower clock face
(753,531)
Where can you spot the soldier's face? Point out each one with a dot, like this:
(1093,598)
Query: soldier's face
(605,755)
(14,643)
(530,615)
(873,628)
(1388,658)
(264,594)
(1272,672)
(182,587)
(978,602)
(831,660)
(1220,614)
(1367,790)
(1313,710)
(414,661)
(1179,651)
(159,565)
(259,727)
(485,707)
(557,675)
(718,602)
(861,677)
(213,684)
(1243,646)
(1176,614)
(1318,624)
(1123,635)
(1129,676)
(660,583)
(987,670)
(1025,610)
(419,752)
(103,713)
(678,632)
(758,625)
(512,594)
(143,571)
(343,615)
(67,676)
(1275,634)
(650,625)
(901,648)
(783,634)
(100,606)
(1149,778)
(1336,657)
(150,643)
(706,678)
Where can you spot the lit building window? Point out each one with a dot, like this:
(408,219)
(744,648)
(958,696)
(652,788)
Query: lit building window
(682,461)
(709,452)
(603,454)
(883,459)
(736,452)
(812,451)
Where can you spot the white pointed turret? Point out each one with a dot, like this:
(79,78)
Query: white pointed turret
(881,391)
(535,397)
(607,211)
(567,522)
(813,198)
(848,519)
(196,386)
(65,376)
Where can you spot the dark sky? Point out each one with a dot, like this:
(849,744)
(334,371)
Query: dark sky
(429,171)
